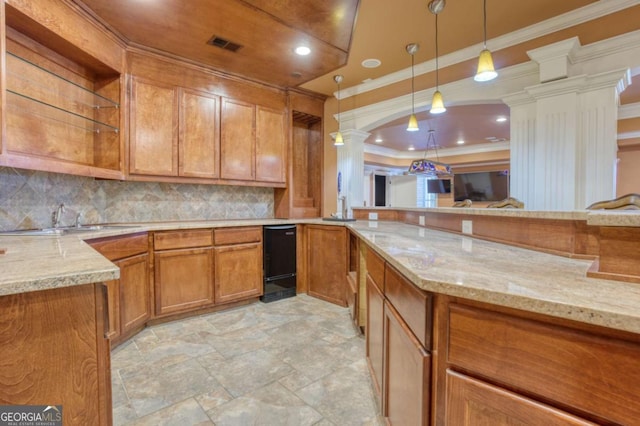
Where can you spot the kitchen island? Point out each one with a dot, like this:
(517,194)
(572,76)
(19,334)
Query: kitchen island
(456,280)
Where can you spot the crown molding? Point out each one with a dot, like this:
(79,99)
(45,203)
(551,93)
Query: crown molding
(557,23)
(447,152)
(462,92)
(621,136)
(629,111)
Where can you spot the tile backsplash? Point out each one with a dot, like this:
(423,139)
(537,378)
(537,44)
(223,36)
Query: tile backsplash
(27,199)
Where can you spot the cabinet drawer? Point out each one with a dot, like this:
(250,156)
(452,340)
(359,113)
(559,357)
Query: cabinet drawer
(182,239)
(226,236)
(114,248)
(592,373)
(470,401)
(375,268)
(413,304)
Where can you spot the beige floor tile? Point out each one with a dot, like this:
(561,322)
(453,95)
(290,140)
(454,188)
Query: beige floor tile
(183,413)
(297,361)
(270,405)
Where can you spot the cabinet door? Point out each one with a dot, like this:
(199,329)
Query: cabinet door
(134,289)
(238,272)
(199,135)
(407,373)
(271,145)
(153,139)
(327,262)
(472,402)
(183,279)
(237,140)
(374,332)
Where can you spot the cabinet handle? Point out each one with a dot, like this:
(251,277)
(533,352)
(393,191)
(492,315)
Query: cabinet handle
(105,312)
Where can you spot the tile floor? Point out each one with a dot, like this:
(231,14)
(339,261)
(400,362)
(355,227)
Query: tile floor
(297,361)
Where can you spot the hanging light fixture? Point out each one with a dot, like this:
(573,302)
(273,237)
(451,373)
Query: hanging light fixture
(413,121)
(427,167)
(339,140)
(437,103)
(486,71)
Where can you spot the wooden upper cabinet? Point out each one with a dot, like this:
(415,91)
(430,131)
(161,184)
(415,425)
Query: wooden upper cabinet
(199,143)
(237,140)
(153,142)
(271,145)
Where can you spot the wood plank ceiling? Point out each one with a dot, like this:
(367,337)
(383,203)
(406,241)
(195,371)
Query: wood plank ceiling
(267,31)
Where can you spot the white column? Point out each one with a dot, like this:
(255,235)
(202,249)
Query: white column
(351,168)
(563,133)
(522,142)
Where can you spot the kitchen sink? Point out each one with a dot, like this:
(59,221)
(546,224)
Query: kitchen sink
(64,230)
(88,228)
(42,231)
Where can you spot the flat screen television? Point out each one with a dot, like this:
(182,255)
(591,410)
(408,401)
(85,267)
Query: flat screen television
(481,186)
(439,186)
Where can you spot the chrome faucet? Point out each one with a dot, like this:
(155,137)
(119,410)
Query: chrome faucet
(344,206)
(57,215)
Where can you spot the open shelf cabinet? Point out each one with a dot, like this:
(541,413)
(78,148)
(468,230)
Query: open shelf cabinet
(61,108)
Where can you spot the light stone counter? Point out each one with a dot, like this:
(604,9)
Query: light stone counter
(593,217)
(45,262)
(533,214)
(435,261)
(489,272)
(33,263)
(629,218)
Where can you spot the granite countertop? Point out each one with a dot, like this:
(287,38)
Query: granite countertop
(484,271)
(592,217)
(41,262)
(436,261)
(45,262)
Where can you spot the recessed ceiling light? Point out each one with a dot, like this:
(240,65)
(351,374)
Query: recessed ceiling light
(411,148)
(378,140)
(371,63)
(460,142)
(302,50)
(501,119)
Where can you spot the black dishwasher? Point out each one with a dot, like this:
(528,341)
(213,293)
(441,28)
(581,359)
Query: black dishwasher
(279,262)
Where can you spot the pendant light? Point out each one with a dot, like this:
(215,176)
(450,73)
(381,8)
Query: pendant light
(339,140)
(413,121)
(437,103)
(486,71)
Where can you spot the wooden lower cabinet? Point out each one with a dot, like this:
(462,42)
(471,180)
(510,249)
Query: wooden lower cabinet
(53,351)
(555,366)
(183,280)
(327,262)
(374,333)
(129,298)
(134,292)
(407,368)
(471,402)
(238,272)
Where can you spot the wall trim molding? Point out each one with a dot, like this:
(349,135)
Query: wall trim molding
(447,152)
(557,23)
(629,111)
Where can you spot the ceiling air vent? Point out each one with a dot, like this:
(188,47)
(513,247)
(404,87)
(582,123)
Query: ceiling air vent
(224,44)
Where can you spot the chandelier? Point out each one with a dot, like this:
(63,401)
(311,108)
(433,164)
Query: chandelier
(430,168)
